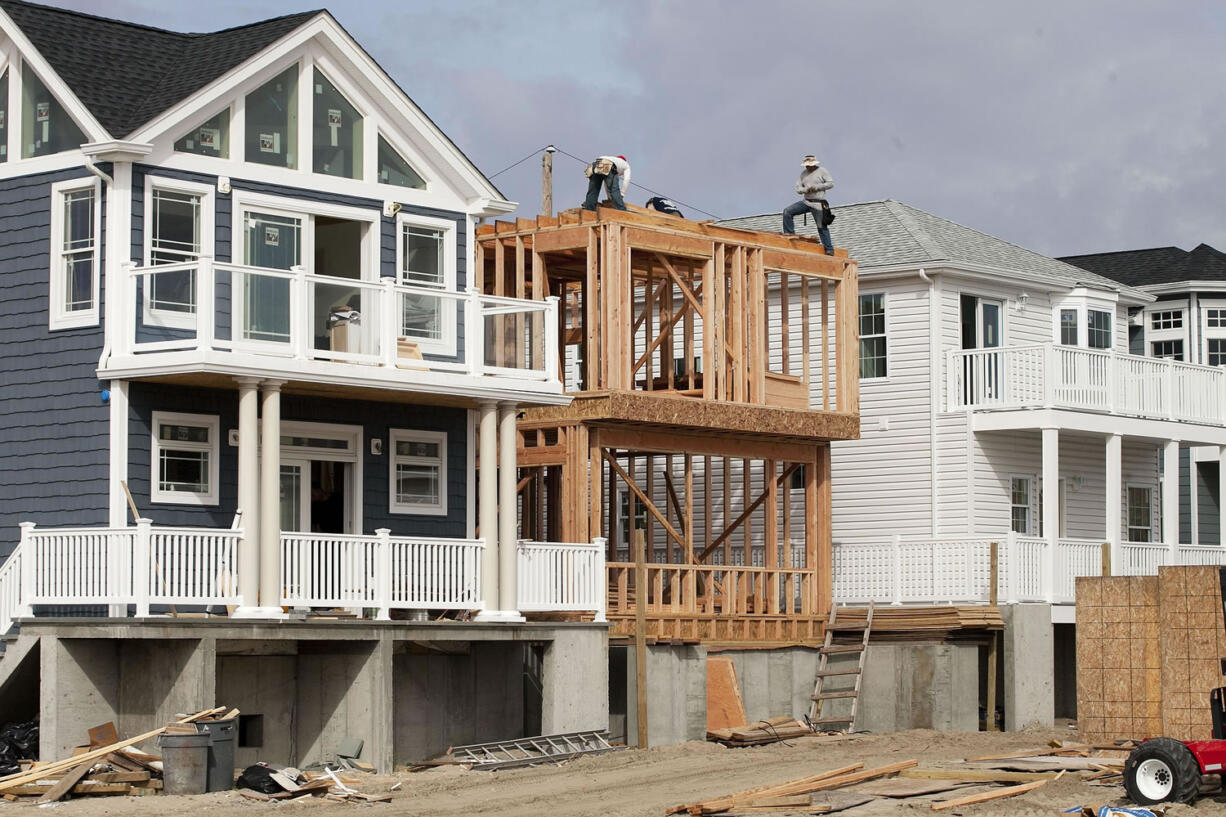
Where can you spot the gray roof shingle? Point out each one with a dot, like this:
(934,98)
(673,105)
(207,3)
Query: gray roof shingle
(889,233)
(1159,265)
(126,74)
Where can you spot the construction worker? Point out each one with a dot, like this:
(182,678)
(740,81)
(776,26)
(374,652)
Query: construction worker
(663,205)
(813,183)
(607,171)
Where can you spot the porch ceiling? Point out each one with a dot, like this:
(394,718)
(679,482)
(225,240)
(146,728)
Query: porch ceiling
(1097,424)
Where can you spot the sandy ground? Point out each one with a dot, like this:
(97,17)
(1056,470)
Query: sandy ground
(635,783)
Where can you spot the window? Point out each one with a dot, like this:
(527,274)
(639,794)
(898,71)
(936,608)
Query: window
(1069,333)
(872,336)
(46,127)
(1098,324)
(1140,514)
(393,169)
(418,479)
(337,149)
(1170,319)
(426,256)
(1171,349)
(797,482)
(1217,352)
(271,136)
(210,139)
(4,116)
(178,224)
(1019,500)
(1215,318)
(422,255)
(75,216)
(185,458)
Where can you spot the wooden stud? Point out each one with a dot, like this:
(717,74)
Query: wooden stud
(640,639)
(847,315)
(825,551)
(770,529)
(825,364)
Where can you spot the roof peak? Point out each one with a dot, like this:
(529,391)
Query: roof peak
(144,27)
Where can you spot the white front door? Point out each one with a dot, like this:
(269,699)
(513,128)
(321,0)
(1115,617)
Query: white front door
(295,495)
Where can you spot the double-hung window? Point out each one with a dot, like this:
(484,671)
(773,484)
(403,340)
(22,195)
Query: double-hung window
(426,262)
(1168,349)
(418,478)
(1214,333)
(1069,332)
(179,226)
(75,257)
(1019,505)
(186,448)
(872,336)
(1098,329)
(1140,514)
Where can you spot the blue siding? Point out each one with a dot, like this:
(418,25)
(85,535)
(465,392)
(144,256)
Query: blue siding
(376,418)
(1207,511)
(53,424)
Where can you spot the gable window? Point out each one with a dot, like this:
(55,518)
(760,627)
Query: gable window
(186,448)
(271,112)
(1069,332)
(4,116)
(45,126)
(418,479)
(1140,514)
(178,223)
(337,132)
(1019,504)
(1170,319)
(1169,349)
(75,219)
(872,336)
(1217,352)
(426,259)
(393,169)
(1098,326)
(210,139)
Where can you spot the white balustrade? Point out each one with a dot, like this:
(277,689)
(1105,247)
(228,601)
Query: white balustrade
(1049,375)
(562,576)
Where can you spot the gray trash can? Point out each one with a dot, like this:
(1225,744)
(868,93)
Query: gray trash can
(185,761)
(221,753)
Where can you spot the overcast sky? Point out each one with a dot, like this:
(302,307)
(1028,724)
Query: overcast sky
(1066,127)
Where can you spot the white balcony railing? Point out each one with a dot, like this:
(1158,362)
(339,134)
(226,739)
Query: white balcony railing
(207,307)
(562,577)
(958,570)
(1052,376)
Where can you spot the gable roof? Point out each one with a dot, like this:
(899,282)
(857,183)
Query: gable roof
(126,73)
(889,233)
(1159,265)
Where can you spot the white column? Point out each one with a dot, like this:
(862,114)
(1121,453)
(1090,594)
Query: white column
(249,493)
(1221,495)
(508,516)
(487,489)
(1051,505)
(1115,494)
(270,499)
(118,465)
(1170,498)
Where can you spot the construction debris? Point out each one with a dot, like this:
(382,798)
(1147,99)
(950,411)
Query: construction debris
(265,782)
(18,742)
(771,730)
(508,754)
(763,799)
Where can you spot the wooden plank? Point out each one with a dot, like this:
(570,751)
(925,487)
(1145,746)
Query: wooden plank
(847,315)
(670,243)
(906,787)
(561,239)
(816,266)
(103,735)
(70,779)
(725,707)
(825,547)
(764,791)
(983,797)
(977,775)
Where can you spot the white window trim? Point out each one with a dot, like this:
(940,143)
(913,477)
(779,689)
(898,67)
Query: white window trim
(352,453)
(885,311)
(1207,332)
(58,317)
(446,345)
(1030,503)
(163,317)
(396,435)
(1154,499)
(1084,301)
(210,421)
(7,64)
(320,64)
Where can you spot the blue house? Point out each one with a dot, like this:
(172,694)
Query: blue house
(246,366)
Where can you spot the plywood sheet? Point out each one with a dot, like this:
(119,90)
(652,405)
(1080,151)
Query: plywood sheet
(725,709)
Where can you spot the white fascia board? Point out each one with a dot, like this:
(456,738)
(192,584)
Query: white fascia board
(1126,295)
(1178,287)
(59,89)
(135,367)
(1088,422)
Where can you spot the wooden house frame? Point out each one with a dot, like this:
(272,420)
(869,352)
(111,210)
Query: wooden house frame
(684,373)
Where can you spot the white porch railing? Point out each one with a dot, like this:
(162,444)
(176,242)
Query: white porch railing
(381,571)
(207,307)
(1053,376)
(958,570)
(556,576)
(140,565)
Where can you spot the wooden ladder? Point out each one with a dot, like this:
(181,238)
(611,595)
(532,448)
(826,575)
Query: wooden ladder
(823,671)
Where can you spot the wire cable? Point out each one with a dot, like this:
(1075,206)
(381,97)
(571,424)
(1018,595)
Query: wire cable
(520,162)
(641,187)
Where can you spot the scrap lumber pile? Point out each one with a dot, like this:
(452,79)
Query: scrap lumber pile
(106,766)
(771,730)
(917,623)
(266,782)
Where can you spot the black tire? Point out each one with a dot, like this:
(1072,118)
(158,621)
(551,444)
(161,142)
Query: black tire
(1161,765)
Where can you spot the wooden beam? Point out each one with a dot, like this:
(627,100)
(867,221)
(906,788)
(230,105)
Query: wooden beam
(672,494)
(825,367)
(847,316)
(825,548)
(640,638)
(996,794)
(745,514)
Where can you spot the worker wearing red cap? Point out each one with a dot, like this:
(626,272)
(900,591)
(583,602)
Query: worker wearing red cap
(608,171)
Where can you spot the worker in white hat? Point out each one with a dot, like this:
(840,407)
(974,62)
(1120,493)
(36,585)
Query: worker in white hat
(813,183)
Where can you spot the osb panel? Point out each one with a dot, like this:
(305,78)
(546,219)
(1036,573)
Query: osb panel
(1119,663)
(1191,640)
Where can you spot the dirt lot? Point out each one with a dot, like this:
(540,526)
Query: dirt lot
(640,783)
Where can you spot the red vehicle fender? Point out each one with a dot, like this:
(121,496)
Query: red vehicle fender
(1210,754)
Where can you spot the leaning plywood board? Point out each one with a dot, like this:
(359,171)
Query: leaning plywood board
(725,708)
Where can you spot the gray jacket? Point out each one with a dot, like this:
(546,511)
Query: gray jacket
(813,185)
